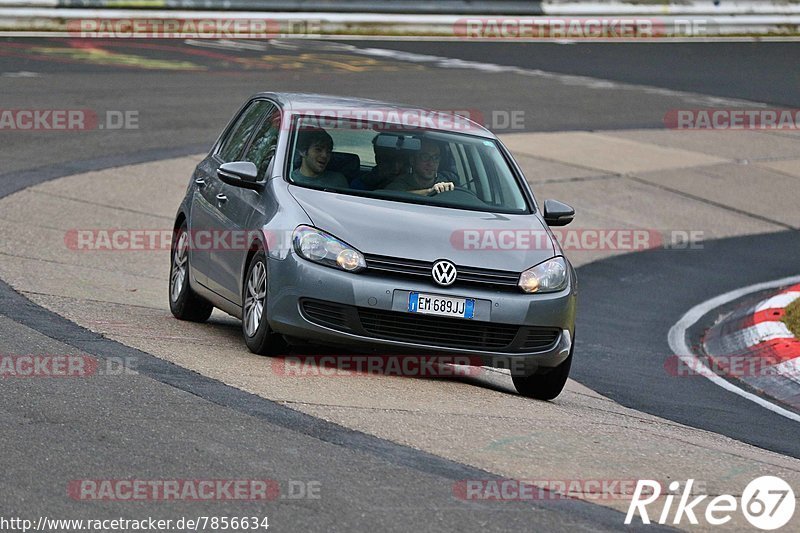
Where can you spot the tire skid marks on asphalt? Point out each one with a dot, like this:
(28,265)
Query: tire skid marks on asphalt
(494,68)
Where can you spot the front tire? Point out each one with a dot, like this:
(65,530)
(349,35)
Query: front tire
(184,303)
(258,336)
(544,386)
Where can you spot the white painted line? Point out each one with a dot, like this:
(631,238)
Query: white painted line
(620,8)
(773,17)
(596,8)
(165,14)
(706,25)
(444,38)
(29,3)
(778,301)
(679,346)
(20,74)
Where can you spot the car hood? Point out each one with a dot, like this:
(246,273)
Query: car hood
(427,233)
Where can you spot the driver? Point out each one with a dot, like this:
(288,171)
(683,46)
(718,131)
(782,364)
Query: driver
(424,168)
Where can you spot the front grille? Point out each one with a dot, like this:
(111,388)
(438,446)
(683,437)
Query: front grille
(327,314)
(432,330)
(540,338)
(439,331)
(422,269)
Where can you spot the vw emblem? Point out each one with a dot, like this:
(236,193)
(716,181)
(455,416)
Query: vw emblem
(444,272)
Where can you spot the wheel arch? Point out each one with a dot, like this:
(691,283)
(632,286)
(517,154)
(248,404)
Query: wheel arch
(256,243)
(180,218)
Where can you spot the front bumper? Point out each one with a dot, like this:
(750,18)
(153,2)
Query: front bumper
(293,281)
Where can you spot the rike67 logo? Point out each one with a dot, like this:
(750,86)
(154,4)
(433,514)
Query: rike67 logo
(767,503)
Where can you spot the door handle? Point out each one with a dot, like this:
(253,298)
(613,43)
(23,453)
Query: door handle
(200,182)
(221,198)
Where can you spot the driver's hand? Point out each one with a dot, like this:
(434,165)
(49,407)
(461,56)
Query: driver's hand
(442,187)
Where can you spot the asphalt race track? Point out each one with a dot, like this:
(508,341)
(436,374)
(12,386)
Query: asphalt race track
(747,70)
(175,421)
(649,301)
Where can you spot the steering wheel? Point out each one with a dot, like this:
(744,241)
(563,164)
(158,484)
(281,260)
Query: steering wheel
(461,188)
(458,189)
(461,195)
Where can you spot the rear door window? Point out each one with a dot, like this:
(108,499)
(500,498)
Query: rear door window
(241,131)
(261,151)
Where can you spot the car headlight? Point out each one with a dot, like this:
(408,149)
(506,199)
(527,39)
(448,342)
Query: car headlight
(320,247)
(549,276)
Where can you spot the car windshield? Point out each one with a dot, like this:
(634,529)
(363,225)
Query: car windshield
(398,163)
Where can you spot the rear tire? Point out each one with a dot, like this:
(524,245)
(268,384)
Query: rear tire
(184,303)
(258,336)
(544,386)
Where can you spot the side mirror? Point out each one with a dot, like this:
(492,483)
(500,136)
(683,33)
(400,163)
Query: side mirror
(240,174)
(557,213)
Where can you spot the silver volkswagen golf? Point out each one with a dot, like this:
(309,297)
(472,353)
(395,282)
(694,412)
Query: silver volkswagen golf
(377,227)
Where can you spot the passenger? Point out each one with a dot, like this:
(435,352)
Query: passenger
(424,178)
(315,147)
(389,164)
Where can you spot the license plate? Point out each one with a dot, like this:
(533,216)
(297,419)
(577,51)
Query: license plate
(430,304)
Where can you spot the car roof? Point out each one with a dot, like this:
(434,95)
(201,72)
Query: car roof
(309,103)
